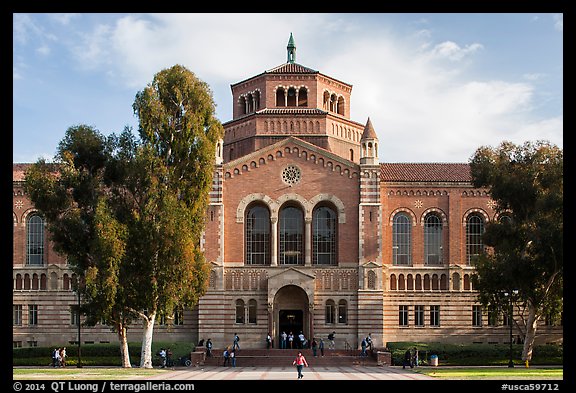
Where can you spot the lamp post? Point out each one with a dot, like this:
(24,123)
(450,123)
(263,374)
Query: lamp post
(79,365)
(510,321)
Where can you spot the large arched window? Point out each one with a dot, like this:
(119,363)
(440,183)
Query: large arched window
(330,312)
(402,239)
(252,309)
(324,237)
(474,231)
(240,311)
(343,311)
(291,236)
(433,239)
(257,235)
(35,240)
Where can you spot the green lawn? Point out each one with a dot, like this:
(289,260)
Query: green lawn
(70,373)
(492,372)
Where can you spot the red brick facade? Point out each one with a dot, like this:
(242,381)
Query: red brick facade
(292,149)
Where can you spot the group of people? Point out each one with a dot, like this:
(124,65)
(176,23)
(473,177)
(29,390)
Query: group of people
(165,356)
(59,357)
(410,358)
(229,354)
(366,344)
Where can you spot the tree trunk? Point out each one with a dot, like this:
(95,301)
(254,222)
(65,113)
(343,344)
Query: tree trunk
(122,337)
(530,334)
(146,352)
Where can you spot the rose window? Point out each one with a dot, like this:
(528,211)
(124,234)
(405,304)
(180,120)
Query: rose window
(291,175)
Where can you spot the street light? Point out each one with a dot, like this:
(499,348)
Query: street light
(510,321)
(79,365)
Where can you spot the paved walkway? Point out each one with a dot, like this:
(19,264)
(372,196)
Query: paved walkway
(341,373)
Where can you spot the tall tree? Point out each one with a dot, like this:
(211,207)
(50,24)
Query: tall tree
(168,188)
(70,193)
(526,182)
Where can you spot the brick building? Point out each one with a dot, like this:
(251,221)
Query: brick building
(306,231)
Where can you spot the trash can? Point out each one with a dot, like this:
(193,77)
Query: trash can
(434,360)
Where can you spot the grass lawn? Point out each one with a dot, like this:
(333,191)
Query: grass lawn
(492,372)
(71,373)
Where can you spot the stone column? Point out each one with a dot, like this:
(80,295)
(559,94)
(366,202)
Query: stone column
(308,242)
(274,253)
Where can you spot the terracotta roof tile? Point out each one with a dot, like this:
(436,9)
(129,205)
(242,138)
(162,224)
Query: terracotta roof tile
(425,172)
(291,68)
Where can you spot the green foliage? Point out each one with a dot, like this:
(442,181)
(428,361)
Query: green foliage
(95,354)
(475,354)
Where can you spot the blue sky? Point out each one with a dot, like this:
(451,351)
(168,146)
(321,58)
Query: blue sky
(435,86)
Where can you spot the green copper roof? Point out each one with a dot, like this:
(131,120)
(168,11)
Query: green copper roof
(291,43)
(291,50)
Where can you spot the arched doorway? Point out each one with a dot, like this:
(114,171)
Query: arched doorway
(291,312)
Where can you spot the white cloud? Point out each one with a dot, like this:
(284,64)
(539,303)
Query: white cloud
(452,51)
(413,89)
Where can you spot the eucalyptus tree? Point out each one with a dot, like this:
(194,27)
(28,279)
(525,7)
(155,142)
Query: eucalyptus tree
(71,194)
(165,189)
(525,265)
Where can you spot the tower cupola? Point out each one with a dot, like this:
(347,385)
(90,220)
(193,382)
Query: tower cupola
(369,145)
(291,50)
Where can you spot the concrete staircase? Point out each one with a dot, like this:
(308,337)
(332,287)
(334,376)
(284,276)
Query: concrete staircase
(284,357)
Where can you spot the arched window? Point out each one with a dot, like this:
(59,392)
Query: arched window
(280,97)
(474,231)
(330,312)
(291,236)
(401,239)
(240,311)
(324,236)
(291,99)
(35,240)
(252,311)
(302,97)
(340,106)
(257,235)
(432,239)
(343,311)
(371,280)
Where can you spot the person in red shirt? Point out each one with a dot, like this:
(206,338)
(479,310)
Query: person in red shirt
(300,362)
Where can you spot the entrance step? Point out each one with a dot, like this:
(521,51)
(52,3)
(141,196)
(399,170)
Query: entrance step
(283,357)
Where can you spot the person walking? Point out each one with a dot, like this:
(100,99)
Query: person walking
(300,362)
(321,346)
(283,338)
(363,345)
(268,341)
(226,356)
(415,357)
(55,357)
(233,357)
(209,348)
(301,341)
(369,341)
(332,345)
(291,340)
(236,344)
(314,347)
(162,355)
(407,359)
(63,356)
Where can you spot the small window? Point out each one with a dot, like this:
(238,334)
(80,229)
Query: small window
(330,312)
(403,315)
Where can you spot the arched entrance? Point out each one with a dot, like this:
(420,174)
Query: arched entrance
(291,312)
